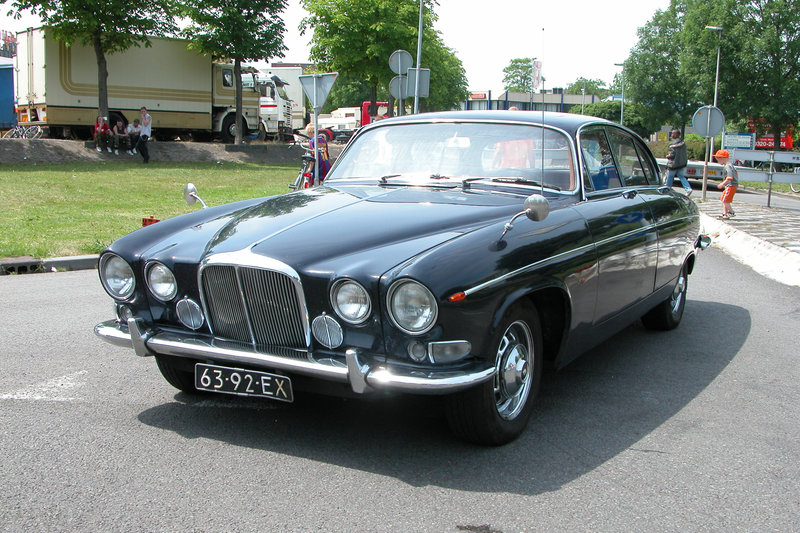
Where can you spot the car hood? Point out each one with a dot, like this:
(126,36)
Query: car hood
(318,228)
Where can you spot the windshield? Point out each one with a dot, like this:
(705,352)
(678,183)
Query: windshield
(437,152)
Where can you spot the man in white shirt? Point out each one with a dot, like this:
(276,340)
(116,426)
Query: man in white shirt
(134,130)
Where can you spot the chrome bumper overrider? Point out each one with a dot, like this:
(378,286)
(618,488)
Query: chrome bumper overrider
(361,377)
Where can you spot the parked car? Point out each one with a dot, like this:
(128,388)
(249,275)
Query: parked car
(452,254)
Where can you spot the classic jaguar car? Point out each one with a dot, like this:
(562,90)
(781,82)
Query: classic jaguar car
(451,254)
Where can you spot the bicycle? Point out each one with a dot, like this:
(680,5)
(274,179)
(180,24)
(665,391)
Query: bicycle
(22,132)
(305,177)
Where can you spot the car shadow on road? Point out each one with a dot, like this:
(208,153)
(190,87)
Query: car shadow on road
(603,404)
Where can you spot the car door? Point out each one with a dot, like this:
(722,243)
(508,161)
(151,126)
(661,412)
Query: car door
(619,219)
(671,214)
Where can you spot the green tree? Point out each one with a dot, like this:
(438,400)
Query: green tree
(595,87)
(635,119)
(109,26)
(759,46)
(518,75)
(656,73)
(238,30)
(356,38)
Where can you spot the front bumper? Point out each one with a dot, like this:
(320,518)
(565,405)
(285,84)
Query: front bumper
(362,377)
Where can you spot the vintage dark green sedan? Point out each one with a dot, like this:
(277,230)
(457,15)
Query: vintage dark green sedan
(452,254)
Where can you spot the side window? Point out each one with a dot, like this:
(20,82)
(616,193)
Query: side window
(650,173)
(599,172)
(631,167)
(227,77)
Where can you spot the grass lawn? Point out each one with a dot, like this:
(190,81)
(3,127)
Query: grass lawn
(79,208)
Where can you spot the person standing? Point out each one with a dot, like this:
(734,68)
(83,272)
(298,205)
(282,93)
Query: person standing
(145,134)
(730,182)
(677,161)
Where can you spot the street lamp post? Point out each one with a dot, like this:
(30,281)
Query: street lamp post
(716,89)
(622,107)
(716,79)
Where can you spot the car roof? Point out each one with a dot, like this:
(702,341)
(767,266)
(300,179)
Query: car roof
(568,122)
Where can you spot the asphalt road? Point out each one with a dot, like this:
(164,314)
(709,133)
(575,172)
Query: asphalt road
(690,430)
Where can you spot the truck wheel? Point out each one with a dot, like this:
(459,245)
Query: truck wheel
(228,133)
(497,411)
(179,376)
(667,315)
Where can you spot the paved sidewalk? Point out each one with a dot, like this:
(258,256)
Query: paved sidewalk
(765,238)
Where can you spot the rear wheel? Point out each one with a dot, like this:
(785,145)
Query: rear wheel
(179,374)
(667,315)
(497,411)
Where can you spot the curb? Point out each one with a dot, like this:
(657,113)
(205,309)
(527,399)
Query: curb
(767,259)
(27,265)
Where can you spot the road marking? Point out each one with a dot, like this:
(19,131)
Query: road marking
(54,390)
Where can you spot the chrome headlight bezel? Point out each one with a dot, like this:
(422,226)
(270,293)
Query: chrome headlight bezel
(409,289)
(343,288)
(161,281)
(117,276)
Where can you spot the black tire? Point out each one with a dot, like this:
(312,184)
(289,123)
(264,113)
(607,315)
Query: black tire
(180,376)
(667,315)
(497,411)
(228,133)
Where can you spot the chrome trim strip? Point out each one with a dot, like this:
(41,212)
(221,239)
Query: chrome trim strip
(522,270)
(361,377)
(546,260)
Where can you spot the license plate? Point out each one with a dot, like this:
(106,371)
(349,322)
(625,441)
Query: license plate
(242,382)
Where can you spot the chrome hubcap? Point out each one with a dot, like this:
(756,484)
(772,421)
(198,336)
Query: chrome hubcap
(678,294)
(513,372)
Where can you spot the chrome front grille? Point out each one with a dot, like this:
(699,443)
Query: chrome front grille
(254,305)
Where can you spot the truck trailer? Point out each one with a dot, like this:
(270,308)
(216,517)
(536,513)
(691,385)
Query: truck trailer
(184,91)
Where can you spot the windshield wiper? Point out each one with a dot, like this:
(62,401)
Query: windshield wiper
(386,178)
(515,180)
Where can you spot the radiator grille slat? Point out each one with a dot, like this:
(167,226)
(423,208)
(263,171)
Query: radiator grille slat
(254,305)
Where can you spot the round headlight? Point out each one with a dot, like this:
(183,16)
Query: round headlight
(161,282)
(350,301)
(117,276)
(412,307)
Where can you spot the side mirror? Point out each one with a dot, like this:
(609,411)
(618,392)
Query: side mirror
(190,195)
(537,207)
(702,242)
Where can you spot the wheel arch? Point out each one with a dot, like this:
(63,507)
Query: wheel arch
(552,305)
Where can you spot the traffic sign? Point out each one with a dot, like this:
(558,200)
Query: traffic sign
(424,81)
(317,88)
(708,121)
(398,87)
(400,61)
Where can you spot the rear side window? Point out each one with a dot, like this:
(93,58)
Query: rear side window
(634,168)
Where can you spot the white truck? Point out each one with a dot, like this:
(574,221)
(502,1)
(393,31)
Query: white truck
(275,104)
(184,91)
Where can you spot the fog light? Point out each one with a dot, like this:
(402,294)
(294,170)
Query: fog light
(327,331)
(449,351)
(417,351)
(190,314)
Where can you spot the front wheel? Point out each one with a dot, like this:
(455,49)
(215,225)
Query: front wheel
(667,315)
(228,133)
(178,373)
(497,411)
